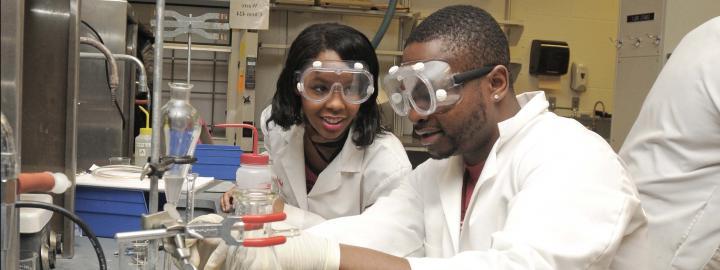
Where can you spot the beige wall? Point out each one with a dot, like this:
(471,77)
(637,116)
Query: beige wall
(588,27)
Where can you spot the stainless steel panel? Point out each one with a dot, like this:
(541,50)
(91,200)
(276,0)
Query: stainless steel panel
(100,127)
(131,41)
(49,95)
(11,44)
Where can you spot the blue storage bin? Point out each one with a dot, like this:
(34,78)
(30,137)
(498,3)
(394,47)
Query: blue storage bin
(109,211)
(219,161)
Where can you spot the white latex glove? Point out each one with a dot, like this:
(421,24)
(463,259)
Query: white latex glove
(305,251)
(308,251)
(208,253)
(61,183)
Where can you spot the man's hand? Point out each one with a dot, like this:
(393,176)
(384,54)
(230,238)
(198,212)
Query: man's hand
(226,202)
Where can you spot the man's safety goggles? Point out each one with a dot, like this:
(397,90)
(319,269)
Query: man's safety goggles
(319,80)
(427,87)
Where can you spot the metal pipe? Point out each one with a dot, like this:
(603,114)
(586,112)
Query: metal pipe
(114,78)
(156,98)
(189,54)
(125,57)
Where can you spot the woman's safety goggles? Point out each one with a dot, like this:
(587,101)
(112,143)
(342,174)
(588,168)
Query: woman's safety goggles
(427,86)
(319,80)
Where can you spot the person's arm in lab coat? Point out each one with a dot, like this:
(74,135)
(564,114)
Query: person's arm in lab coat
(573,210)
(572,213)
(393,225)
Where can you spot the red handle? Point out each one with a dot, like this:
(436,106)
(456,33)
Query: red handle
(264,218)
(254,131)
(253,226)
(264,242)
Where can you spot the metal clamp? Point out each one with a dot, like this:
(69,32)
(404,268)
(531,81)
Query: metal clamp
(158,169)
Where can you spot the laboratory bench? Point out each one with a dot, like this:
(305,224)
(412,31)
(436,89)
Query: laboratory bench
(207,201)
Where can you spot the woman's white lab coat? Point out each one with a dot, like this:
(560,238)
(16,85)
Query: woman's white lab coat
(552,195)
(353,181)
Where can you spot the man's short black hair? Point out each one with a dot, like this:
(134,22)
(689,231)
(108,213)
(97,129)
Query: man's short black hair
(471,35)
(349,44)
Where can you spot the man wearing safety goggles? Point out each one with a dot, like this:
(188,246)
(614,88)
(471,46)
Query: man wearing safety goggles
(510,186)
(427,86)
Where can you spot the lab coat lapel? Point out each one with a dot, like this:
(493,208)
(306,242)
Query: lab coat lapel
(488,174)
(533,104)
(450,186)
(346,165)
(292,160)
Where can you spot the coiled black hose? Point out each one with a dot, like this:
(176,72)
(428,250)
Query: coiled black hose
(85,228)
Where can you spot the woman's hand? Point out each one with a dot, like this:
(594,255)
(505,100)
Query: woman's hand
(226,202)
(278,205)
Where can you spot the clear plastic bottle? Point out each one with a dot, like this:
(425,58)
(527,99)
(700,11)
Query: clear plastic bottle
(143,146)
(254,194)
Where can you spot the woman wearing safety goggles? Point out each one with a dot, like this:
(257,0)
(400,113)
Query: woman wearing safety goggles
(322,131)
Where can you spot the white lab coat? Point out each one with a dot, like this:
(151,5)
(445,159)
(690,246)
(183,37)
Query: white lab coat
(552,195)
(673,153)
(352,181)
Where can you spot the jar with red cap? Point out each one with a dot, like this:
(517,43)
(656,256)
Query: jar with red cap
(255,192)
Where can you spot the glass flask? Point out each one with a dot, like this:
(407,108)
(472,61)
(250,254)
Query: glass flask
(7,149)
(181,131)
(254,201)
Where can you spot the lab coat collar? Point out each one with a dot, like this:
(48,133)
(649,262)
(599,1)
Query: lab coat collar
(350,157)
(291,159)
(532,104)
(349,160)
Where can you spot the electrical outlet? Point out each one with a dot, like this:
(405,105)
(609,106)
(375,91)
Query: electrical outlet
(552,103)
(576,103)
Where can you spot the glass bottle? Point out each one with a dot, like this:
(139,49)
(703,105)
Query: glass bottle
(181,131)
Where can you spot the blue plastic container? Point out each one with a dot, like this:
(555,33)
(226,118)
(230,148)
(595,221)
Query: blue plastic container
(109,211)
(219,161)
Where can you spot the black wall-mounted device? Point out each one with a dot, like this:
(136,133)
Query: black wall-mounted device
(549,57)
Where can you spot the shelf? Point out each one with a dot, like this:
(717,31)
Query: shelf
(285,46)
(511,23)
(513,30)
(199,47)
(342,11)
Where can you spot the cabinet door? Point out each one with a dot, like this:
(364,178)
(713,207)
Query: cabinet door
(634,78)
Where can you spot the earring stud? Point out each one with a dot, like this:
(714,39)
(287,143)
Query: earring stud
(496,97)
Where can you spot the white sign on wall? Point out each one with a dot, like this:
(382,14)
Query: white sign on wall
(249,14)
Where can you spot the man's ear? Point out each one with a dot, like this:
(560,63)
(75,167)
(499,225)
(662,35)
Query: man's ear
(499,79)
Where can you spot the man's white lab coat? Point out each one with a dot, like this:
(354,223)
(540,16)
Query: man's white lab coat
(552,195)
(353,181)
(673,153)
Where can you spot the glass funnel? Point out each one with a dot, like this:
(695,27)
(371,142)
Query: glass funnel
(181,131)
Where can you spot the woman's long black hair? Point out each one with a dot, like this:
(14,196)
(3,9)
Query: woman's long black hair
(349,44)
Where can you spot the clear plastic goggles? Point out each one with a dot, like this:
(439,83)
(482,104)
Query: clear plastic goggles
(319,80)
(427,87)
